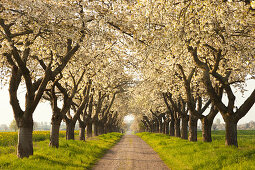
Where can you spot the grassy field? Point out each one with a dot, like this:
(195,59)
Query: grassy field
(71,154)
(182,154)
(11,138)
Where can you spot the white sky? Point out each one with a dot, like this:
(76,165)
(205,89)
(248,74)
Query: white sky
(43,110)
(128,118)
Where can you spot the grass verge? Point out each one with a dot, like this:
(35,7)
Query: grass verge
(71,154)
(182,154)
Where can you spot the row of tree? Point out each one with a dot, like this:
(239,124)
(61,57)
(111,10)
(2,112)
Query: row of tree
(62,53)
(196,53)
(183,55)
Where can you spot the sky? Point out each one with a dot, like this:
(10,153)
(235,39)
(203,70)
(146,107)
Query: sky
(43,110)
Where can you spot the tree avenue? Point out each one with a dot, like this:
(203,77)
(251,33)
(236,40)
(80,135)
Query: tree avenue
(198,50)
(166,62)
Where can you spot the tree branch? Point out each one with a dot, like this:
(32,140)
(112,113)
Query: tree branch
(246,106)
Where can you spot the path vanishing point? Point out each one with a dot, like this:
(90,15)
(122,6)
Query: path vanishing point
(131,153)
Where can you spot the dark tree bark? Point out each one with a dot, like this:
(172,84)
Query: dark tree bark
(89,129)
(192,128)
(230,116)
(166,119)
(146,126)
(207,122)
(197,111)
(95,125)
(89,118)
(82,127)
(177,128)
(59,114)
(101,98)
(100,128)
(231,132)
(158,120)
(149,123)
(206,129)
(163,128)
(184,129)
(156,126)
(161,125)
(54,133)
(105,115)
(167,128)
(35,90)
(78,110)
(177,111)
(70,125)
(172,129)
(84,117)
(25,143)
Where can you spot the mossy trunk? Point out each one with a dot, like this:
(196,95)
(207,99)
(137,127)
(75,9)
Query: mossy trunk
(25,142)
(184,129)
(193,128)
(177,128)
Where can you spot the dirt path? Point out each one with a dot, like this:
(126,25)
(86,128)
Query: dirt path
(131,153)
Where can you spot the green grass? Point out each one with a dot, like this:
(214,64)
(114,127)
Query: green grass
(71,154)
(182,154)
(11,138)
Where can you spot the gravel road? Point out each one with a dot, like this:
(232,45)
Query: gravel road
(131,153)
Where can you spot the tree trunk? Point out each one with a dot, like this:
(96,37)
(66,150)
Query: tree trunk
(177,128)
(157,127)
(161,127)
(172,128)
(54,134)
(151,128)
(192,128)
(106,129)
(206,129)
(25,142)
(109,129)
(167,128)
(89,129)
(100,129)
(95,129)
(231,132)
(184,129)
(70,130)
(82,131)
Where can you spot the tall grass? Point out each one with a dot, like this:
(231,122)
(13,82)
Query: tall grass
(182,154)
(11,138)
(71,154)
